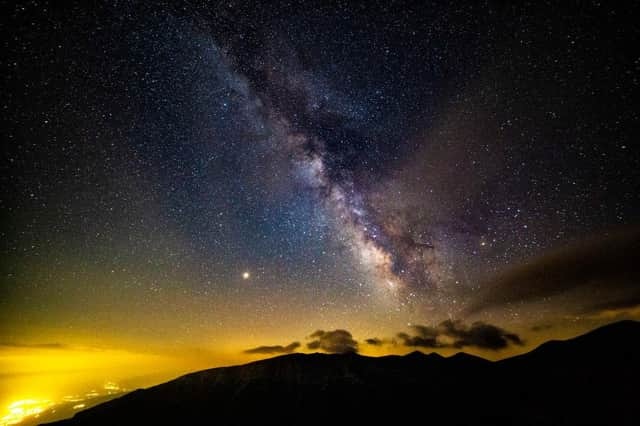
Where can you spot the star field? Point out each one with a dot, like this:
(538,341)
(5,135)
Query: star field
(223,175)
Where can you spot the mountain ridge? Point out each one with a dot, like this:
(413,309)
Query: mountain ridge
(584,380)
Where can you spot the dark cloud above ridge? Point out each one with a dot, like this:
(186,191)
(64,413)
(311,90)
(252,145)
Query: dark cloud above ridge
(336,341)
(455,334)
(52,345)
(447,334)
(277,349)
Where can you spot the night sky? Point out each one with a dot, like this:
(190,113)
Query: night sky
(209,181)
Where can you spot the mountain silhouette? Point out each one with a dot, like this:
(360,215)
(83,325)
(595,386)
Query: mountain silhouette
(589,380)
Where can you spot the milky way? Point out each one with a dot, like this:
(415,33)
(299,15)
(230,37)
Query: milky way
(216,172)
(187,185)
(398,265)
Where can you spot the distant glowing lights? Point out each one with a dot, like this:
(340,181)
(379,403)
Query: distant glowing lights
(19,410)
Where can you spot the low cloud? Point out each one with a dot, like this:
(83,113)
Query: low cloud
(278,349)
(34,345)
(336,341)
(614,309)
(455,334)
(480,335)
(626,304)
(423,337)
(447,334)
(603,267)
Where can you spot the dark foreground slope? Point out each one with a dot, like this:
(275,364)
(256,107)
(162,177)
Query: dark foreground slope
(590,380)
